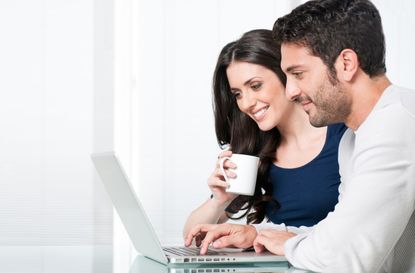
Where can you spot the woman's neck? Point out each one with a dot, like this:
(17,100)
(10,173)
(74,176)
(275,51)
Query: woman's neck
(296,128)
(300,141)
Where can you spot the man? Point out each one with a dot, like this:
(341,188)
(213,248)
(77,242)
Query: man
(333,53)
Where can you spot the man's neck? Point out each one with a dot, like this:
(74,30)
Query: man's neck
(365,94)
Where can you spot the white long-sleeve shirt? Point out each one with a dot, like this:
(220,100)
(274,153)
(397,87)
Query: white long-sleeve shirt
(372,228)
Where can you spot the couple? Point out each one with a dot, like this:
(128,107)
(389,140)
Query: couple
(324,65)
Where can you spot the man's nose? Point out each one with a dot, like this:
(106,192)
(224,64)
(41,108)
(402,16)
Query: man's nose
(292,91)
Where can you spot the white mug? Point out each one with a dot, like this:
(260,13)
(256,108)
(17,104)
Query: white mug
(246,174)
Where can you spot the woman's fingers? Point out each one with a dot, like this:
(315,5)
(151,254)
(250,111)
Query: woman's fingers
(198,232)
(226,153)
(218,173)
(199,238)
(228,164)
(216,182)
(217,179)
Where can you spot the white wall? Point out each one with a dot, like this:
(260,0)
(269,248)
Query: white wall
(398,24)
(51,119)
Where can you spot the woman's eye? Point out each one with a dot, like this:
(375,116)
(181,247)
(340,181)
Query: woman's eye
(256,86)
(236,95)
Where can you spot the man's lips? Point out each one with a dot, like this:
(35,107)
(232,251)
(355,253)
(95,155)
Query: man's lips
(306,105)
(305,102)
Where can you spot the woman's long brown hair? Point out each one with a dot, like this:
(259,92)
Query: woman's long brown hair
(239,130)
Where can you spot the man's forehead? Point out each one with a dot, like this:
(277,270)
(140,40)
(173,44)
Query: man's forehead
(294,55)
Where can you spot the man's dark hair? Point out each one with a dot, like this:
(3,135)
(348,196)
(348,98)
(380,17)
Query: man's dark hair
(326,27)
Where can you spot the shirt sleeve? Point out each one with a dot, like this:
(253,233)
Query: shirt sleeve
(376,200)
(282,227)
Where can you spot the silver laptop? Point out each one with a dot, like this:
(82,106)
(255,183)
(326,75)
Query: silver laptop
(142,264)
(141,231)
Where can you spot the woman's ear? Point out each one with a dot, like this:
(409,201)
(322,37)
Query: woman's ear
(347,64)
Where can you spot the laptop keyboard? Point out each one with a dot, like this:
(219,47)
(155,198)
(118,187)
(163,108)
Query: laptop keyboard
(187,251)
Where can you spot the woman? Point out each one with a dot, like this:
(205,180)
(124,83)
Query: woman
(298,178)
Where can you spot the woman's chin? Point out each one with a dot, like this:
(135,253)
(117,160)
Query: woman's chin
(265,127)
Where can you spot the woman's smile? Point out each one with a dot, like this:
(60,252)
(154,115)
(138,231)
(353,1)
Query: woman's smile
(260,113)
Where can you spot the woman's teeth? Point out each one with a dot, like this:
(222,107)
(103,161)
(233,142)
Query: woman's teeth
(260,113)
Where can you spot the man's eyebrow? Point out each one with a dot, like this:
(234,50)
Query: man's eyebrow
(291,68)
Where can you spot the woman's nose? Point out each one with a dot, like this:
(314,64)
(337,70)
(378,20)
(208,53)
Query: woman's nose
(247,101)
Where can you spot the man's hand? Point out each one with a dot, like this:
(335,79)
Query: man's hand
(221,235)
(272,240)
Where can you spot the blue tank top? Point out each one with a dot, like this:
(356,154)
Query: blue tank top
(307,194)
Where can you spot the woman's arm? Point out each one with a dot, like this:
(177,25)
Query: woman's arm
(212,211)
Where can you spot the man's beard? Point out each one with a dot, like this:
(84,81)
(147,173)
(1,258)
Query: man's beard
(331,105)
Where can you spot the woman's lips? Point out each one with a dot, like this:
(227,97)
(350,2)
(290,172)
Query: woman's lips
(259,114)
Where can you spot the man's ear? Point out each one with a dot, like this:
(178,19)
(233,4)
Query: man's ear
(347,64)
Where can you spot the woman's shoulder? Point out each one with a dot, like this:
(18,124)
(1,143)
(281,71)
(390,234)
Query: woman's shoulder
(336,129)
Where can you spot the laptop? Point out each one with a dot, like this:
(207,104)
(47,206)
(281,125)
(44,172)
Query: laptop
(141,232)
(143,264)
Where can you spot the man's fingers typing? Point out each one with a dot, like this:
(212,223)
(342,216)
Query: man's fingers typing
(258,244)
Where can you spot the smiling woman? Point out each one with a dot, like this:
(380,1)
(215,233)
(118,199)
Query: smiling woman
(257,90)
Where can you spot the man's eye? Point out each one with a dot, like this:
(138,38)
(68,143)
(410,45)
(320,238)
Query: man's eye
(297,74)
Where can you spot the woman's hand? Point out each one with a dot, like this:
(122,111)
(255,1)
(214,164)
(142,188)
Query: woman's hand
(221,236)
(212,211)
(216,181)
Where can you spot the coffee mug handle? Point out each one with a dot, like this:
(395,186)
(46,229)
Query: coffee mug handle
(221,162)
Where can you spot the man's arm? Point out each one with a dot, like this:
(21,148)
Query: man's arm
(282,227)
(375,204)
